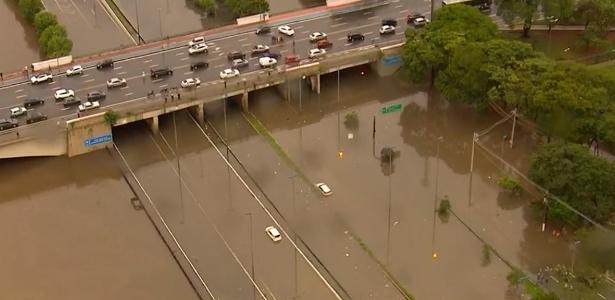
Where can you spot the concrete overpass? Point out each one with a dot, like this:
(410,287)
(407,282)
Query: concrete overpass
(93,132)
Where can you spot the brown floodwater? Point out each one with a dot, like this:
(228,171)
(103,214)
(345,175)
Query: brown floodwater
(22,49)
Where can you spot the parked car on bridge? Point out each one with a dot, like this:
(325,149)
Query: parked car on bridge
(322,44)
(8,124)
(257,49)
(273,233)
(420,22)
(240,63)
(267,62)
(71,101)
(235,55)
(387,29)
(36,117)
(61,94)
(285,29)
(95,96)
(275,55)
(389,22)
(18,111)
(160,72)
(107,63)
(41,78)
(317,36)
(263,29)
(229,73)
(315,53)
(89,105)
(197,40)
(74,70)
(197,49)
(200,65)
(116,82)
(292,59)
(355,37)
(31,102)
(190,82)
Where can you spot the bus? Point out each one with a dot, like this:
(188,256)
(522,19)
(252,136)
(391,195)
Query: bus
(482,5)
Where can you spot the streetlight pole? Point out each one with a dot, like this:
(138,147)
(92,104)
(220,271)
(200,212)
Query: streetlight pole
(179,172)
(392,152)
(249,214)
(292,179)
(573,247)
(137,13)
(434,255)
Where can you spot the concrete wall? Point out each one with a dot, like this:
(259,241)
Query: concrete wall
(331,3)
(52,144)
(253,19)
(88,134)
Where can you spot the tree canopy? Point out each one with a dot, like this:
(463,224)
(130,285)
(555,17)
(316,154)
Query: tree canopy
(44,19)
(242,8)
(29,9)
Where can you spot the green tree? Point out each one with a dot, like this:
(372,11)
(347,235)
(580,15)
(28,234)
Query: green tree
(209,6)
(242,8)
(44,19)
(433,46)
(583,181)
(598,16)
(58,46)
(563,10)
(29,9)
(475,67)
(512,10)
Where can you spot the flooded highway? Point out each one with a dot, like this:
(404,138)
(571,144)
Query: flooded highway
(376,237)
(23,48)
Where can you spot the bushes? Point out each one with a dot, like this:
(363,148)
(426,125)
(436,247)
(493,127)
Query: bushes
(510,185)
(52,37)
(242,8)
(209,6)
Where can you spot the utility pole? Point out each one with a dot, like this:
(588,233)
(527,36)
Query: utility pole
(391,153)
(292,179)
(138,28)
(179,172)
(249,214)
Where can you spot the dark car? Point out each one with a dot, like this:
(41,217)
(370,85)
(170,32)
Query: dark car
(160,71)
(390,22)
(353,37)
(33,102)
(95,96)
(263,29)
(271,54)
(323,44)
(36,117)
(199,65)
(292,59)
(235,55)
(71,101)
(240,63)
(8,124)
(107,63)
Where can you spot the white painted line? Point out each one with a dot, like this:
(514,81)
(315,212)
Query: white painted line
(118,68)
(399,6)
(21,96)
(338,18)
(66,108)
(399,33)
(18,91)
(368,13)
(342,38)
(55,88)
(122,73)
(89,80)
(371,18)
(163,86)
(211,44)
(153,66)
(188,73)
(368,33)
(221,53)
(244,39)
(394,1)
(217,48)
(245,45)
(305,31)
(403,11)
(298,27)
(84,75)
(338,24)
(147,61)
(218,66)
(179,54)
(128,94)
(283,51)
(52,82)
(349,44)
(124,87)
(185,58)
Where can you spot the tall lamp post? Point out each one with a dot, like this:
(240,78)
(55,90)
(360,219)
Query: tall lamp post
(249,214)
(434,255)
(292,179)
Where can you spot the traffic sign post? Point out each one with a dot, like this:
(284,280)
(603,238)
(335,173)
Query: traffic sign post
(98,140)
(391,108)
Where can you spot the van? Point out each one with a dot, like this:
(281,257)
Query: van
(353,37)
(107,63)
(160,71)
(36,117)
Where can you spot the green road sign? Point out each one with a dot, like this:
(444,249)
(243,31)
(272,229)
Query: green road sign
(391,108)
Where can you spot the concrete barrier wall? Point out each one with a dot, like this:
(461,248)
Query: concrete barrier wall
(331,3)
(253,19)
(88,134)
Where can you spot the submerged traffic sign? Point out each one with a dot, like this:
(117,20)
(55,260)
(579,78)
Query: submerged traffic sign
(391,108)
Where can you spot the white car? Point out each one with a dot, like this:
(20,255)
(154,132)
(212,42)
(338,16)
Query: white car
(260,49)
(89,105)
(18,111)
(116,82)
(197,40)
(190,82)
(420,22)
(266,62)
(64,93)
(229,73)
(273,233)
(197,48)
(387,29)
(314,53)
(285,29)
(74,70)
(317,36)
(41,78)
(324,189)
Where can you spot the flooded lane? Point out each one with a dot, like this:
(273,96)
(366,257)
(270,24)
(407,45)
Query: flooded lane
(23,48)
(70,232)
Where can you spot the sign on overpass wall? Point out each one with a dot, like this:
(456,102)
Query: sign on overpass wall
(98,140)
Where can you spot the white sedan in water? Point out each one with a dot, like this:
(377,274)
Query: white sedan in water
(64,93)
(324,189)
(190,82)
(89,105)
(229,73)
(41,78)
(273,233)
(18,111)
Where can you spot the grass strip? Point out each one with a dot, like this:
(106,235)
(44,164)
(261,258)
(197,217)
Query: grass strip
(264,132)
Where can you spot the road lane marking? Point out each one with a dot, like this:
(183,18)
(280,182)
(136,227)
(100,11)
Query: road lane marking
(403,11)
(185,58)
(342,38)
(147,61)
(157,80)
(180,54)
(368,13)
(211,44)
(180,67)
(221,53)
(128,94)
(18,91)
(117,68)
(371,18)
(298,27)
(244,39)
(338,24)
(399,6)
(245,45)
(153,66)
(188,73)
(369,32)
(124,87)
(218,66)
(349,44)
(84,75)
(122,73)
(305,31)
(163,86)
(52,82)
(21,96)
(283,51)
(89,80)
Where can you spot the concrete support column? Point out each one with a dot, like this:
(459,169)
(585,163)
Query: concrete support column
(244,101)
(315,83)
(153,124)
(198,112)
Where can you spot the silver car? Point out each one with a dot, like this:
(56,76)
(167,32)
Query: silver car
(116,82)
